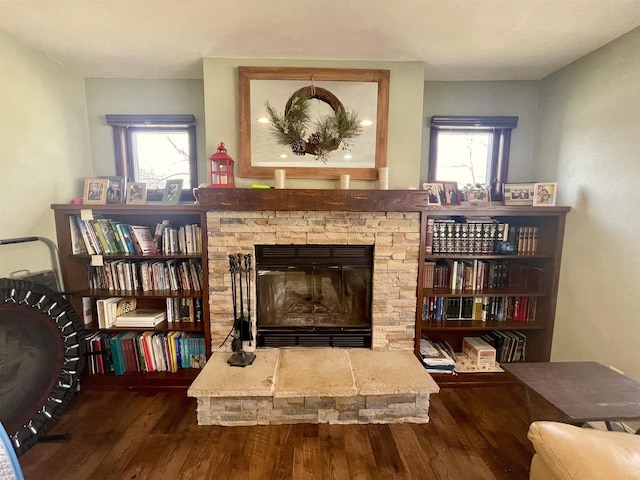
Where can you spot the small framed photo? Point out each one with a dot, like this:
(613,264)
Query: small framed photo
(477,194)
(433,191)
(115,189)
(95,191)
(172,192)
(518,193)
(136,193)
(450,194)
(545,194)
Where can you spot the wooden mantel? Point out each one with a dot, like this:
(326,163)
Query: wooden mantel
(250,199)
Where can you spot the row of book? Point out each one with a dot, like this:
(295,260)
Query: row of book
(144,352)
(148,275)
(510,345)
(479,235)
(97,235)
(486,308)
(480,275)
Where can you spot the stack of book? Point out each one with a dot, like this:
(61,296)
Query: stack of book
(437,357)
(141,317)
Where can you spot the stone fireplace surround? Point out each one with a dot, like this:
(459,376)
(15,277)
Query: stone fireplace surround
(390,221)
(394,235)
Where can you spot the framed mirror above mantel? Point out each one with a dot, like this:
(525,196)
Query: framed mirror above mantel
(362,93)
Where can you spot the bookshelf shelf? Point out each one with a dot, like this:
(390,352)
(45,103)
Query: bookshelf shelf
(441,292)
(477,325)
(139,294)
(82,272)
(538,231)
(161,327)
(139,380)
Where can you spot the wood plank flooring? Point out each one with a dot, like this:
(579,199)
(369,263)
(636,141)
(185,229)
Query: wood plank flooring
(474,433)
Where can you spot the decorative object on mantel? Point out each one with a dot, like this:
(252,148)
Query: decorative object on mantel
(383,178)
(221,168)
(279,177)
(329,132)
(345,180)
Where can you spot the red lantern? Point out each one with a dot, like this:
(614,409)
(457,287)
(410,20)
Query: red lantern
(221,168)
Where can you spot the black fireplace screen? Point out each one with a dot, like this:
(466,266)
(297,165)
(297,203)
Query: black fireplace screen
(314,294)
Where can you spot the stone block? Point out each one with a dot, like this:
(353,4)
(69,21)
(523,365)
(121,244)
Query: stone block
(320,403)
(288,402)
(328,415)
(350,403)
(384,401)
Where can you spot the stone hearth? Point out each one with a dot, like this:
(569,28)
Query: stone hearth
(336,386)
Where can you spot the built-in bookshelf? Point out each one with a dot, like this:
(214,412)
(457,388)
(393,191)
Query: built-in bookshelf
(489,271)
(152,256)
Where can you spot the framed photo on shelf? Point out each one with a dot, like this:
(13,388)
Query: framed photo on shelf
(115,189)
(172,192)
(433,190)
(136,193)
(95,191)
(450,194)
(518,193)
(545,194)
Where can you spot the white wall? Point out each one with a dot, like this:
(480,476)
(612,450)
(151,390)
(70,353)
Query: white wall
(516,98)
(44,149)
(588,139)
(405,113)
(134,96)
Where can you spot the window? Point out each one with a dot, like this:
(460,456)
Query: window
(471,150)
(156,148)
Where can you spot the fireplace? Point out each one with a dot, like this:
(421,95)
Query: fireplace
(314,295)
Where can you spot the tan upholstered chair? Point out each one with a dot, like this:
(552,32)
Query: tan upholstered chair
(568,452)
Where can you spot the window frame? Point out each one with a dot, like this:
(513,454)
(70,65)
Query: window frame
(500,126)
(125,125)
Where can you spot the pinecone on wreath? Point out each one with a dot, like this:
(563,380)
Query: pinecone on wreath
(314,139)
(298,147)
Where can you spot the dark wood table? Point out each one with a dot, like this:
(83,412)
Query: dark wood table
(581,391)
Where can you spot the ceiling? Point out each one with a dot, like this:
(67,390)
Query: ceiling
(456,39)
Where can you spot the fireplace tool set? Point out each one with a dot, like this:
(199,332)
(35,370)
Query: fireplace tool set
(240,269)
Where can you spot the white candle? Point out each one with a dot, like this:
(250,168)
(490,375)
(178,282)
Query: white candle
(279,178)
(344,181)
(383,178)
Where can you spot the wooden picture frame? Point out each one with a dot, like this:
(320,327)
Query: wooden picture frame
(545,194)
(518,193)
(95,191)
(115,189)
(172,192)
(255,85)
(434,191)
(136,193)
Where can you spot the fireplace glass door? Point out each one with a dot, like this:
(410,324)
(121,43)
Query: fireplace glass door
(314,294)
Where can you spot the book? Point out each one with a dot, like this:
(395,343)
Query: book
(144,238)
(82,228)
(78,245)
(141,317)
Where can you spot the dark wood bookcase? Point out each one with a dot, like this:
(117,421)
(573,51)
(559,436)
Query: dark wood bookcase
(550,222)
(74,270)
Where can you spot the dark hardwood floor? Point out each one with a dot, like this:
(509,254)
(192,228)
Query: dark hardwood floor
(474,433)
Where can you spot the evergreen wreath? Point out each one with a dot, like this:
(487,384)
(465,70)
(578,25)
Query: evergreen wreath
(330,131)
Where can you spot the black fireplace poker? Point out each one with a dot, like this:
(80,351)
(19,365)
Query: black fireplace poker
(239,267)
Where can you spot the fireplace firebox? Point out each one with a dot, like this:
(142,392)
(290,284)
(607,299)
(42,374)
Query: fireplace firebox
(314,295)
